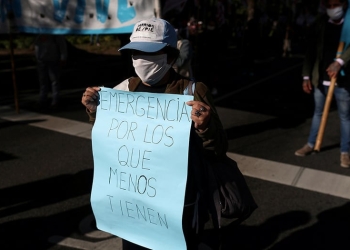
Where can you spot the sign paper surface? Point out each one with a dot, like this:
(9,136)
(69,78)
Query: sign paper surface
(140,146)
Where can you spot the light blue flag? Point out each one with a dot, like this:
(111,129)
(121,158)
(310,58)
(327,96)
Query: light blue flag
(345,33)
(73,16)
(140,147)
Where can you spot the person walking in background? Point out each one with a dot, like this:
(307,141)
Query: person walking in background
(51,56)
(183,63)
(320,67)
(95,39)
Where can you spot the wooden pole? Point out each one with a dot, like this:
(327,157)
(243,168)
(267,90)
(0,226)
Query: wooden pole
(327,105)
(13,68)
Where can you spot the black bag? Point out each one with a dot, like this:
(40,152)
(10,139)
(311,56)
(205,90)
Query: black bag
(228,192)
(221,185)
(219,181)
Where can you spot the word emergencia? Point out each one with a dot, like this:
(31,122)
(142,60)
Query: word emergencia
(145,106)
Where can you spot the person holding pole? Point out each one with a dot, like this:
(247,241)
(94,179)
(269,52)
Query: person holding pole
(326,62)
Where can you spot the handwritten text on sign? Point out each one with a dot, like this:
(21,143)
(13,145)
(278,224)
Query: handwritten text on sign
(140,148)
(74,16)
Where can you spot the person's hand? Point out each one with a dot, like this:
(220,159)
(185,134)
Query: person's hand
(307,86)
(90,98)
(200,114)
(333,69)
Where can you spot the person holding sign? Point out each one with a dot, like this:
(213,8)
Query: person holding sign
(153,47)
(320,66)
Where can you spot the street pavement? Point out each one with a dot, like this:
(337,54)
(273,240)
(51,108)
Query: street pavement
(46,161)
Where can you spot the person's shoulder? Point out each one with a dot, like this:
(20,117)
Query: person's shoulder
(124,85)
(200,86)
(129,84)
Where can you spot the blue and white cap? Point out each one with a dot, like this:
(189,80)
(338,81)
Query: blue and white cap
(152,35)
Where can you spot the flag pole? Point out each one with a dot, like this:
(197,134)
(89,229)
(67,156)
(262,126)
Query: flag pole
(327,105)
(13,68)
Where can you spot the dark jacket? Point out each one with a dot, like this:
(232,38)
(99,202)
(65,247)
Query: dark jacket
(314,54)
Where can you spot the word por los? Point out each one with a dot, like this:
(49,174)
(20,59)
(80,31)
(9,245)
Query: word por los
(154,135)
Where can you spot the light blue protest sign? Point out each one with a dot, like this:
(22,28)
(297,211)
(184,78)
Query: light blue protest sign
(140,148)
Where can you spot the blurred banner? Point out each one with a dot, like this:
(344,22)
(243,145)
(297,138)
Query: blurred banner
(73,16)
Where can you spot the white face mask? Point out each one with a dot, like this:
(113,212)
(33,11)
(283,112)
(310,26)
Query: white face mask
(335,13)
(150,69)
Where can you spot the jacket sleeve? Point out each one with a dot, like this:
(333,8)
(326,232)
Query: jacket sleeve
(214,137)
(92,116)
(311,48)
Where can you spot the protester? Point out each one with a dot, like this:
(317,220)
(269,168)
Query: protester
(318,70)
(183,63)
(51,56)
(154,51)
(95,39)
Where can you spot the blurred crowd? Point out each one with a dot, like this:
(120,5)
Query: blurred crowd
(273,27)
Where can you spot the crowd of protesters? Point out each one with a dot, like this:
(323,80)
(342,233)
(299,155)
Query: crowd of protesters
(269,30)
(269,24)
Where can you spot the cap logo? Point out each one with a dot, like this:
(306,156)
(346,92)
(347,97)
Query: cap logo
(145,27)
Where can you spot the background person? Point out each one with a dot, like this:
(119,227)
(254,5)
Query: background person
(95,39)
(318,70)
(51,56)
(183,64)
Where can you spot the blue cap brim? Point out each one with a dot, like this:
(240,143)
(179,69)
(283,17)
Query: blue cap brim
(144,46)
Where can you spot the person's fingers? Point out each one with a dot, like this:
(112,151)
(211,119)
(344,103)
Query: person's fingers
(91,94)
(92,91)
(200,114)
(198,108)
(90,98)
